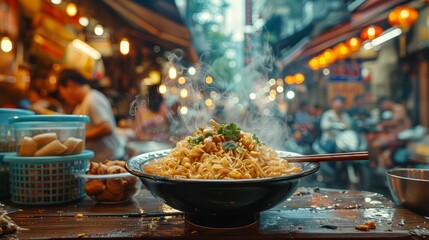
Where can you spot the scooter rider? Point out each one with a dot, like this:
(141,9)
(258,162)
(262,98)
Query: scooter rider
(333,122)
(394,119)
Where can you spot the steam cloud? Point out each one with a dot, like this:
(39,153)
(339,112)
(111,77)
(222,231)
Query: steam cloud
(231,97)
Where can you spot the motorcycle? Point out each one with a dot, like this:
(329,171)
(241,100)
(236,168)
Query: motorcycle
(350,175)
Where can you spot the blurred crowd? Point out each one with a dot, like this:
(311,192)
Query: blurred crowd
(376,125)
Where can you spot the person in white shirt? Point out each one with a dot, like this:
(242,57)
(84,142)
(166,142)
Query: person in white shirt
(333,122)
(101,135)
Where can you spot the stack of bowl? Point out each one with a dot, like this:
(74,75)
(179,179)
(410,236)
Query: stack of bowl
(7,144)
(50,154)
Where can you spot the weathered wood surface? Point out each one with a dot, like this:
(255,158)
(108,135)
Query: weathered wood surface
(310,213)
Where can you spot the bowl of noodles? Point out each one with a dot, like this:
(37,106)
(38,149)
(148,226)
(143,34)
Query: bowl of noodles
(221,176)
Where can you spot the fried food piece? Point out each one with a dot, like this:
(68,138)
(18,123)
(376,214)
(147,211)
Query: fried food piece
(115,162)
(371,224)
(54,148)
(74,145)
(101,169)
(93,166)
(366,226)
(362,227)
(45,138)
(116,185)
(116,169)
(28,147)
(107,196)
(94,187)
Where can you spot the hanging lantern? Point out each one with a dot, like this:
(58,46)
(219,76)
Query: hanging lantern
(6,44)
(354,44)
(342,50)
(330,56)
(299,78)
(124,46)
(314,63)
(370,33)
(71,9)
(289,80)
(322,61)
(403,16)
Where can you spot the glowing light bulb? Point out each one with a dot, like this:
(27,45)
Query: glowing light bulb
(184,110)
(124,46)
(84,21)
(98,30)
(213,95)
(208,102)
(184,93)
(252,96)
(56,2)
(172,73)
(235,100)
(192,71)
(280,89)
(209,80)
(290,94)
(71,9)
(266,89)
(181,80)
(6,44)
(162,89)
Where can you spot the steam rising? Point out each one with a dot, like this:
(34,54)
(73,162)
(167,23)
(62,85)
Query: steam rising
(225,100)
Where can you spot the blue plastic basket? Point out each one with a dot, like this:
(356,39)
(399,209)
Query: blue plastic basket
(4,177)
(47,180)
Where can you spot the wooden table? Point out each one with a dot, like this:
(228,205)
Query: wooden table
(310,213)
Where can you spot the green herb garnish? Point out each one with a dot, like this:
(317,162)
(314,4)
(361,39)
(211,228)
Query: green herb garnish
(195,140)
(230,131)
(230,145)
(256,139)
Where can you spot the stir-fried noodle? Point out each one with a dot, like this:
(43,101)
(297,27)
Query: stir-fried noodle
(221,152)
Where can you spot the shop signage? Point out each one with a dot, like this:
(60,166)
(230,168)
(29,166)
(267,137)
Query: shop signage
(346,89)
(348,70)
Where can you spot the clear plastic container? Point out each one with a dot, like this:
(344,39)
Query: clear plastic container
(47,180)
(49,135)
(7,133)
(112,188)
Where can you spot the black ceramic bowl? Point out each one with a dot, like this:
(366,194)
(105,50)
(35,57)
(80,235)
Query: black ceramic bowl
(218,203)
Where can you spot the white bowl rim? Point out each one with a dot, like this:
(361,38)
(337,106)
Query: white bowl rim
(106,176)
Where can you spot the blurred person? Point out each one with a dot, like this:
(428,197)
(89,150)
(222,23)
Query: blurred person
(151,117)
(357,110)
(393,120)
(177,129)
(302,115)
(101,135)
(393,116)
(42,103)
(333,121)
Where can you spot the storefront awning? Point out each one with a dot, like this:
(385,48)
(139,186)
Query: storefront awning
(370,12)
(161,30)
